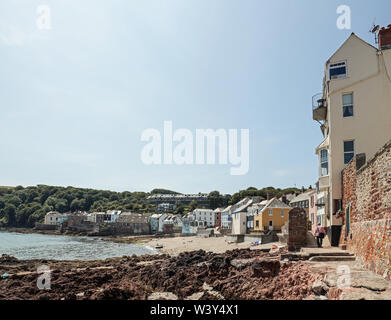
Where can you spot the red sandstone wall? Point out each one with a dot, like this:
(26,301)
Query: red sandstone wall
(369,192)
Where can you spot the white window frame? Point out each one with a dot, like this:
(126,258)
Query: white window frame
(270,212)
(336,66)
(320,162)
(345,152)
(348,105)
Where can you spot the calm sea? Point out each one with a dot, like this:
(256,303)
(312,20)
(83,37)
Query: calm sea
(39,246)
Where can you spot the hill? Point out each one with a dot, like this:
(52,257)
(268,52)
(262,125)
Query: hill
(22,207)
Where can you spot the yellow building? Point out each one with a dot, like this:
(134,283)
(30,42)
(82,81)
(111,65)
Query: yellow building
(272,216)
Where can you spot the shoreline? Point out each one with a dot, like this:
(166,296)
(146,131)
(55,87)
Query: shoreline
(172,245)
(197,275)
(125,239)
(190,268)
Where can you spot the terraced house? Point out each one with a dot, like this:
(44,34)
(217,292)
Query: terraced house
(273,215)
(354,113)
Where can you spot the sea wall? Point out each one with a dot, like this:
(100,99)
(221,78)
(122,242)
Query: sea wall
(367,193)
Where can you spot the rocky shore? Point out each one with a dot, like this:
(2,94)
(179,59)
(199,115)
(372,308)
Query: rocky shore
(236,274)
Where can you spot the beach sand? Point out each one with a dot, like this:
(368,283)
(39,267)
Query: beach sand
(174,246)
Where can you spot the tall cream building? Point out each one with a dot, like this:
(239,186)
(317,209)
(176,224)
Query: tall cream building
(354,111)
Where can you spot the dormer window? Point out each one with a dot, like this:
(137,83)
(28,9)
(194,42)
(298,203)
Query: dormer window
(337,70)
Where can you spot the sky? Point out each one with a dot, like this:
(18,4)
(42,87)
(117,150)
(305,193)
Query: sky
(76,98)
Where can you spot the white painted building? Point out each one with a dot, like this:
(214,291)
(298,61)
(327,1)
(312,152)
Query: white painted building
(174,219)
(204,217)
(112,216)
(55,218)
(239,216)
(320,208)
(156,221)
(354,113)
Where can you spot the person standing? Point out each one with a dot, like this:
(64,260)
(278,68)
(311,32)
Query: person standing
(319,234)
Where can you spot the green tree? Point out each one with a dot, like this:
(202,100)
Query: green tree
(192,205)
(10,214)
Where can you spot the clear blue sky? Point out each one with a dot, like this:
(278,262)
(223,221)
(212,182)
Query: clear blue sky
(75,99)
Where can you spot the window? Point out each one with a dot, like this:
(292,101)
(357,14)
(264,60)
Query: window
(324,162)
(347,105)
(312,201)
(348,149)
(271,212)
(257,223)
(282,213)
(337,70)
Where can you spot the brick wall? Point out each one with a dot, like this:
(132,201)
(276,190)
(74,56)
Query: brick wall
(368,191)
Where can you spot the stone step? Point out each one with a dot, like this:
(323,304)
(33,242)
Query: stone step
(331,254)
(323,258)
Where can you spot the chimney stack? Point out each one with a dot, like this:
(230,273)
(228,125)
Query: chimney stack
(385,38)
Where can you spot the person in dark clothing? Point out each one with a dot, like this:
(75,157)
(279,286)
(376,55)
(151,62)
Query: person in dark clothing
(319,234)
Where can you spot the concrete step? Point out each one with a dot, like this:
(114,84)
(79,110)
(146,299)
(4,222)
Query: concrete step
(323,258)
(331,254)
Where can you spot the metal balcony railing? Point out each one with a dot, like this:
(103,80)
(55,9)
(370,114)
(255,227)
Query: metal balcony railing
(318,101)
(319,107)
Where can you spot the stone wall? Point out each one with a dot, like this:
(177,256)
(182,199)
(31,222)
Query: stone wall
(297,229)
(119,228)
(368,191)
(42,226)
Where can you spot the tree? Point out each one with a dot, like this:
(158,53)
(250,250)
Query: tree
(216,200)
(180,209)
(15,200)
(75,205)
(10,214)
(192,205)
(163,191)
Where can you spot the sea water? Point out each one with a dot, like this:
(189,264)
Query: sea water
(57,247)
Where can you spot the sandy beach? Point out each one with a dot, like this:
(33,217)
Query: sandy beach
(174,246)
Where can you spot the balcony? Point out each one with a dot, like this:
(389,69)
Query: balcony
(324,183)
(319,107)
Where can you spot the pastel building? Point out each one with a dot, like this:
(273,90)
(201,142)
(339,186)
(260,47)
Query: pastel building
(273,215)
(156,221)
(226,217)
(204,217)
(218,217)
(55,218)
(239,216)
(354,114)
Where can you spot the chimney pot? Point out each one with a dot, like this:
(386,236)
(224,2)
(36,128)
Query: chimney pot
(385,38)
